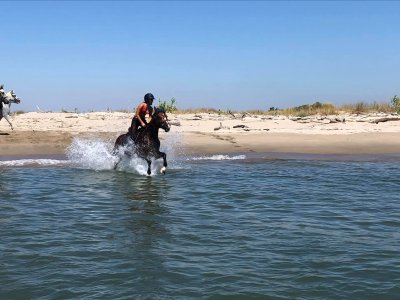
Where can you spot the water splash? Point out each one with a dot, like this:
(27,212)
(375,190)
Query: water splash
(92,154)
(172,146)
(177,155)
(96,154)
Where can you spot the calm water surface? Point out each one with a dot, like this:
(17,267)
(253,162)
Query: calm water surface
(245,228)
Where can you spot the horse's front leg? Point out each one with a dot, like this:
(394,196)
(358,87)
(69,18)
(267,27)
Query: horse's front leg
(117,163)
(148,166)
(164,157)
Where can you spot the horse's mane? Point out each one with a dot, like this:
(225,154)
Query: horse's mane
(151,124)
(8,95)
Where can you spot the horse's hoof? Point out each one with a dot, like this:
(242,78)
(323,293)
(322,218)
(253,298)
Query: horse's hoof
(163,170)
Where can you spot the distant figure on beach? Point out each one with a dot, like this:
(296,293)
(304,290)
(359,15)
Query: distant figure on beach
(139,119)
(2,96)
(5,102)
(2,93)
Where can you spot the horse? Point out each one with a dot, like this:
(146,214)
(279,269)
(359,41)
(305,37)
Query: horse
(145,144)
(5,103)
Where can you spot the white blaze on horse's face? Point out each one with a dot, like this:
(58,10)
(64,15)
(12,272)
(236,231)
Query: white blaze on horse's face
(14,97)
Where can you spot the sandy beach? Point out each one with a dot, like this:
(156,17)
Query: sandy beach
(38,133)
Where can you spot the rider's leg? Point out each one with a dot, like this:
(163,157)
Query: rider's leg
(134,127)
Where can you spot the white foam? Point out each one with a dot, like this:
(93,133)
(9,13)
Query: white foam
(98,155)
(91,154)
(219,157)
(29,162)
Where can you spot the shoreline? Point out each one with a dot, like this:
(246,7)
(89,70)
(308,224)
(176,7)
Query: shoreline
(352,144)
(30,144)
(41,134)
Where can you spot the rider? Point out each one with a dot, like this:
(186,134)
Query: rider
(2,93)
(139,120)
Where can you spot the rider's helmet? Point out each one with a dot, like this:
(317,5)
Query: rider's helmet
(1,86)
(148,97)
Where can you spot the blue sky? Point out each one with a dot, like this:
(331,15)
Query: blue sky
(227,55)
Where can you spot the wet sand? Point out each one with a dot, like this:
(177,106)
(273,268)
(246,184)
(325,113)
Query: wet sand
(195,143)
(51,133)
(358,143)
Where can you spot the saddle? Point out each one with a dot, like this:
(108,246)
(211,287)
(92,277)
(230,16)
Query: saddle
(135,135)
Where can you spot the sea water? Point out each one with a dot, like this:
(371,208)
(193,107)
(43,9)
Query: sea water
(240,226)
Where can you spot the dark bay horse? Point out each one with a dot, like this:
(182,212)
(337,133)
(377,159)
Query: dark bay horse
(145,144)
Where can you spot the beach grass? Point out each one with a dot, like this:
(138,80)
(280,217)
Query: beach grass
(364,107)
(316,108)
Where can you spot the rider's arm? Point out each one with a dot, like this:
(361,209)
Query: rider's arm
(138,114)
(150,110)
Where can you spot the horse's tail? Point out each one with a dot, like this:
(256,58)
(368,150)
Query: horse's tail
(118,143)
(121,141)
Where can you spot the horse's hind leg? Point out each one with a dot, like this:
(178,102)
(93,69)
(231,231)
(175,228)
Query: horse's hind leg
(120,142)
(8,120)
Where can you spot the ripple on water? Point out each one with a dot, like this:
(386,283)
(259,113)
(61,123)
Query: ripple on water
(209,229)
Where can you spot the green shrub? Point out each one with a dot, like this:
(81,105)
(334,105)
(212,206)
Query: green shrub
(168,106)
(19,112)
(396,103)
(311,109)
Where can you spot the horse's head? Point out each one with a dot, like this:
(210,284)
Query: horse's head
(12,97)
(161,118)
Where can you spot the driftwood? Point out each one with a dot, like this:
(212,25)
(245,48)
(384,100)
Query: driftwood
(245,115)
(175,123)
(321,120)
(337,120)
(196,118)
(232,114)
(240,126)
(221,127)
(376,121)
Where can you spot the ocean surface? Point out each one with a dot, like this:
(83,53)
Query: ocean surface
(240,226)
